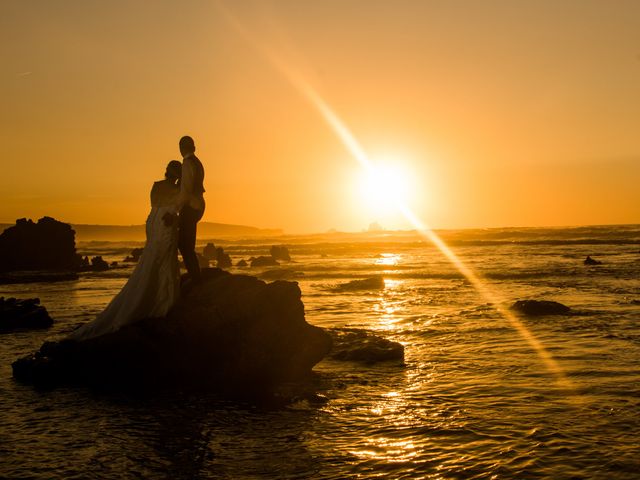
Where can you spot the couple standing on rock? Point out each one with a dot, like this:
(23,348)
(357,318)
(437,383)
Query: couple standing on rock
(177,204)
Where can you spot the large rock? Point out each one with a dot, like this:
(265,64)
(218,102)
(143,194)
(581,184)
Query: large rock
(18,314)
(45,245)
(230,331)
(540,307)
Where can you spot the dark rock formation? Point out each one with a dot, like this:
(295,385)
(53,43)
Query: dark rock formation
(280,252)
(46,245)
(540,307)
(136,253)
(264,261)
(230,332)
(362,346)
(23,314)
(210,252)
(96,264)
(372,283)
(242,263)
(591,261)
(223,260)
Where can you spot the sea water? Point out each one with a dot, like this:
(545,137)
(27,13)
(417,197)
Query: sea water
(472,399)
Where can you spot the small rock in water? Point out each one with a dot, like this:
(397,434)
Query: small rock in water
(242,263)
(135,255)
(362,346)
(23,314)
(372,283)
(223,260)
(540,307)
(280,252)
(264,261)
(209,251)
(591,261)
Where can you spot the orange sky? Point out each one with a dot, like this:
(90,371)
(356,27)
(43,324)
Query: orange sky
(503,113)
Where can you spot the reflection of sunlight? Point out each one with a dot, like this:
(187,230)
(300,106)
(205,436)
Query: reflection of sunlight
(388,259)
(391,284)
(391,450)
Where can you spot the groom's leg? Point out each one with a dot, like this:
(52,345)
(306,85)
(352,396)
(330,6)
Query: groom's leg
(187,241)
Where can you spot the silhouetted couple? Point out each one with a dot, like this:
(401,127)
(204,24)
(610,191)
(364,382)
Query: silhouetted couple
(177,205)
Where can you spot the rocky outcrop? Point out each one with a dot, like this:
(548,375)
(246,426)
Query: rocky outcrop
(362,346)
(264,261)
(540,307)
(217,255)
(229,332)
(210,252)
(95,264)
(23,314)
(371,283)
(591,261)
(280,252)
(136,253)
(45,245)
(223,260)
(242,263)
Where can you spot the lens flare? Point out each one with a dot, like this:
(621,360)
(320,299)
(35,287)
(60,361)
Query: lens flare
(305,88)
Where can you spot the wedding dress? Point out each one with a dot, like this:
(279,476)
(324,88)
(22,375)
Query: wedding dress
(154,285)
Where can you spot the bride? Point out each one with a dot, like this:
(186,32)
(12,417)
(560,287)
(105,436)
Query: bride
(154,285)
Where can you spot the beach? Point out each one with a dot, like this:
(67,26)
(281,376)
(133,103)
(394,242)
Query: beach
(472,399)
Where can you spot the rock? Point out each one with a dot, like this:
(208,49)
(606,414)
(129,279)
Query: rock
(264,261)
(45,245)
(242,263)
(591,261)
(23,314)
(540,307)
(98,264)
(210,252)
(280,252)
(371,283)
(230,332)
(223,260)
(362,346)
(136,253)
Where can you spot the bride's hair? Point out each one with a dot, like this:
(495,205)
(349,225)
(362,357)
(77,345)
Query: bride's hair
(174,170)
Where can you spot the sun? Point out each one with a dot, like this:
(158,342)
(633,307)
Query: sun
(384,187)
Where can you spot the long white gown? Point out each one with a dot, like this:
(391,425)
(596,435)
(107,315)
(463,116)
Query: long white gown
(154,285)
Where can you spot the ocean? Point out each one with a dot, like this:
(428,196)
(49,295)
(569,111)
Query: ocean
(472,399)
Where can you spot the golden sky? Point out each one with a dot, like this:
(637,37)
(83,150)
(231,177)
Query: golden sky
(500,113)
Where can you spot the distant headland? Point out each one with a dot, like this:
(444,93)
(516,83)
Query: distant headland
(137,232)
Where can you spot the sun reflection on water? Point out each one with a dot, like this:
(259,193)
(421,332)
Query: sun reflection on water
(388,259)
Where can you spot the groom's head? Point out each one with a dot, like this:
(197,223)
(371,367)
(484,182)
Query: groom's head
(187,146)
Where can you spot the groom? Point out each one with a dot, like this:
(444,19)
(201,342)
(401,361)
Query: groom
(191,204)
